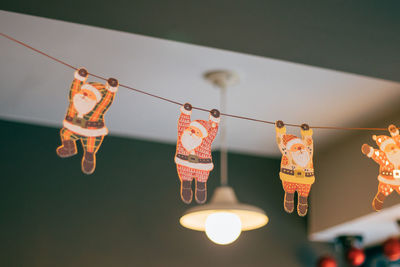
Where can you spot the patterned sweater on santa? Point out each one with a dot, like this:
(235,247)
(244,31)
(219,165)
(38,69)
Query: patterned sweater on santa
(290,171)
(203,151)
(95,116)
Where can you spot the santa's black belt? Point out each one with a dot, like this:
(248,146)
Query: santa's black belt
(297,173)
(394,173)
(193,158)
(84,123)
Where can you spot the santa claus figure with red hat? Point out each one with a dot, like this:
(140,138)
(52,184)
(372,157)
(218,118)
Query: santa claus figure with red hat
(193,152)
(297,171)
(84,121)
(388,158)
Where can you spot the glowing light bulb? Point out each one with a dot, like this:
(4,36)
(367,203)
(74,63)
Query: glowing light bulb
(223,227)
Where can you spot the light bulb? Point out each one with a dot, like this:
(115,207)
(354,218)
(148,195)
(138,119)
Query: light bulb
(223,227)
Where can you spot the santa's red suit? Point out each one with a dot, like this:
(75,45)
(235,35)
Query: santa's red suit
(388,158)
(193,160)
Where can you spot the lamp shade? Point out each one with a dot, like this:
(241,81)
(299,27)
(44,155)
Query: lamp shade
(224,200)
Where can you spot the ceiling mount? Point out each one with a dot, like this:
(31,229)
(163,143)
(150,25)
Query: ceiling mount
(222,78)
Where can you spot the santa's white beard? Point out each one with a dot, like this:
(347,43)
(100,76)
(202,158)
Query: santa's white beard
(83,104)
(394,158)
(302,158)
(190,141)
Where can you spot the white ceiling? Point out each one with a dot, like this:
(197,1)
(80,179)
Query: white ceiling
(34,88)
(375,227)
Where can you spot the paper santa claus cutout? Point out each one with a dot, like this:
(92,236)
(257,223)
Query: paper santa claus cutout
(193,152)
(297,170)
(388,158)
(84,121)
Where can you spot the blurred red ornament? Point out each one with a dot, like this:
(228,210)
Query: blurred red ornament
(355,256)
(327,261)
(391,249)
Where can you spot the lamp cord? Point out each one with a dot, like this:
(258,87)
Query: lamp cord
(222,127)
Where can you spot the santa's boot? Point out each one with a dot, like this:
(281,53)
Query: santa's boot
(88,162)
(288,204)
(186,191)
(377,203)
(302,206)
(67,149)
(201,192)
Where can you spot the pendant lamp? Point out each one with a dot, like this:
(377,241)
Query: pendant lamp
(224,217)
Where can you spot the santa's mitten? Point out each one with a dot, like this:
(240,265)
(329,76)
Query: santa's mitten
(215,117)
(280,129)
(112,85)
(215,113)
(81,74)
(187,107)
(279,124)
(367,150)
(306,130)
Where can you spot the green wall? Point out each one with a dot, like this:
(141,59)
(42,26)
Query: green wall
(126,214)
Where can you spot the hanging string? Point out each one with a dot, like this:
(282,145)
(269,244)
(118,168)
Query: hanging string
(180,104)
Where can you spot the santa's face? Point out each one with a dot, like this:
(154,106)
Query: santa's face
(393,154)
(191,138)
(84,102)
(300,155)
